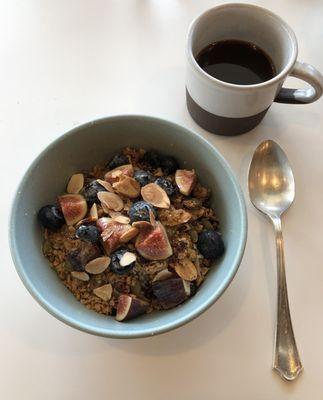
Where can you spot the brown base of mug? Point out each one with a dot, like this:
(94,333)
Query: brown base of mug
(222,125)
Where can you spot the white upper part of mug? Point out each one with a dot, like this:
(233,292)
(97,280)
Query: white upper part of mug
(243,22)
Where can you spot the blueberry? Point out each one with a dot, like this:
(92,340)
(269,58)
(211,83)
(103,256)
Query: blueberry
(115,263)
(139,211)
(88,233)
(210,244)
(91,190)
(51,217)
(169,164)
(117,160)
(152,158)
(144,177)
(166,185)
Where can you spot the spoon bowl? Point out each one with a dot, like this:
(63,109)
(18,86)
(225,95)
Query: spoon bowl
(271,180)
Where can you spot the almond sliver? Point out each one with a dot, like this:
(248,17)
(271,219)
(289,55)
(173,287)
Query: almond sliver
(106,185)
(98,265)
(130,234)
(81,276)
(75,184)
(111,201)
(122,219)
(94,212)
(104,292)
(127,258)
(155,195)
(186,270)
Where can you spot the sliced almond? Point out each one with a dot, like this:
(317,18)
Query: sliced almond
(94,212)
(127,186)
(155,195)
(114,214)
(122,219)
(81,276)
(152,218)
(98,265)
(75,184)
(113,175)
(106,185)
(142,225)
(85,221)
(163,275)
(186,270)
(111,201)
(104,292)
(130,234)
(127,258)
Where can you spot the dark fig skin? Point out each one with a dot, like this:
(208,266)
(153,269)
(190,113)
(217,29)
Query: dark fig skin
(170,292)
(130,307)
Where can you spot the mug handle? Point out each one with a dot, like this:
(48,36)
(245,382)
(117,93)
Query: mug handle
(309,74)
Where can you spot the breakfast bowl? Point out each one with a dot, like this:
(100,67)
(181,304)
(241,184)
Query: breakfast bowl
(96,142)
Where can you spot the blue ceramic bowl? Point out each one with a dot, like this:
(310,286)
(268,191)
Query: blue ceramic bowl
(97,141)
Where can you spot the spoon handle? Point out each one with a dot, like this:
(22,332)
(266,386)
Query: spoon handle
(286,360)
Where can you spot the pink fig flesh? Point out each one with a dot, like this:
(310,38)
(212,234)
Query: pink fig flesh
(130,307)
(102,223)
(111,235)
(74,207)
(153,244)
(185,180)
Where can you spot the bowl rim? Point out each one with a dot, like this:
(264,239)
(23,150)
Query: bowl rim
(141,332)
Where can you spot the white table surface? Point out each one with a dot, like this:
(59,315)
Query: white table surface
(67,62)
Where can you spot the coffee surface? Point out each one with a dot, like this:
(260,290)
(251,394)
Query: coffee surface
(236,61)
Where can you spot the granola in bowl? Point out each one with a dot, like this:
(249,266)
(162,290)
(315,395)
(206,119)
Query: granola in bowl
(134,236)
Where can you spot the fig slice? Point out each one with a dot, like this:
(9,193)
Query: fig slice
(153,243)
(111,235)
(98,265)
(185,180)
(155,195)
(104,292)
(130,307)
(171,292)
(127,186)
(114,175)
(102,223)
(111,200)
(75,184)
(73,206)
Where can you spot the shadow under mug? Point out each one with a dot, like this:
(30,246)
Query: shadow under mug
(229,109)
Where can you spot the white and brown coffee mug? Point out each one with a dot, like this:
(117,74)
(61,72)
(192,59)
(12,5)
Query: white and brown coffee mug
(231,109)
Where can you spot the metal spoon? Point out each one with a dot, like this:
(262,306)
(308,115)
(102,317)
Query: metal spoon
(272,191)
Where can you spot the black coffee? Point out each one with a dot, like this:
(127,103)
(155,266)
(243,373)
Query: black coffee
(236,61)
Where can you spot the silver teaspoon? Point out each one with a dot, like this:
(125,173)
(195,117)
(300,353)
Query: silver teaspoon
(272,191)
